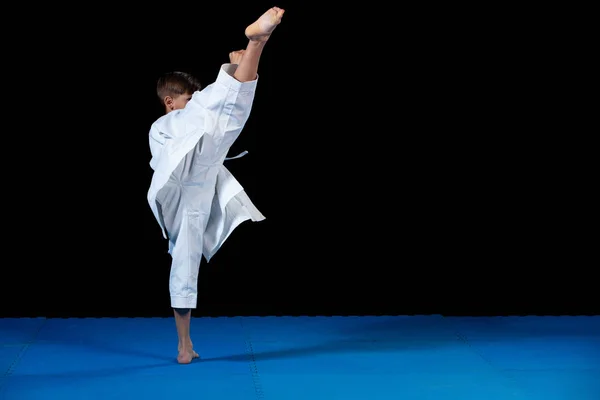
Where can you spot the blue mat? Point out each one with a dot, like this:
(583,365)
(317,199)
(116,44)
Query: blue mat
(308,358)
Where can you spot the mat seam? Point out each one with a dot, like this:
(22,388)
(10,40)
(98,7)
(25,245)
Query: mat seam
(252,363)
(20,355)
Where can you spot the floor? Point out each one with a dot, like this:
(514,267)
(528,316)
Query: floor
(310,358)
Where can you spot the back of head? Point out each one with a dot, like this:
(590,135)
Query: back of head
(176,83)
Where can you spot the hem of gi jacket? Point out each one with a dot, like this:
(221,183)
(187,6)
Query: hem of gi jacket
(184,302)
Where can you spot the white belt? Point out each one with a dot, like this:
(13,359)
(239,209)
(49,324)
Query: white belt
(242,154)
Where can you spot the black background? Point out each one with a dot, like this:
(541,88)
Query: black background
(404,159)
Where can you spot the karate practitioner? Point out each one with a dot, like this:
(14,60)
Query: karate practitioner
(194,198)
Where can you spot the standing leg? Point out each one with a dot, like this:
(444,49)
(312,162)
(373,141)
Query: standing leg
(183,282)
(186,258)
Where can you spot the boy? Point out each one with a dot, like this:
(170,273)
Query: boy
(194,198)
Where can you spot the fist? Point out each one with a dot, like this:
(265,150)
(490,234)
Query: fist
(236,56)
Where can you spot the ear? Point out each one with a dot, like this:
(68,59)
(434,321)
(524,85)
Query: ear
(169,102)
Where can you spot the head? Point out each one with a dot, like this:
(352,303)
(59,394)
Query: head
(175,89)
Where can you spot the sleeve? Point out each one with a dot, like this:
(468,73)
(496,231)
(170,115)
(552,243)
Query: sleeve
(225,105)
(157,142)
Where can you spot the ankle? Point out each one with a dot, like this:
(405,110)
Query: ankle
(257,41)
(185,345)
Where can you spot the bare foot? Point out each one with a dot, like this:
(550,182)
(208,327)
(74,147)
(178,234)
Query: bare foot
(186,355)
(261,29)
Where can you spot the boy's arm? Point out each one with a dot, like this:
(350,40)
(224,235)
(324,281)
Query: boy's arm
(226,105)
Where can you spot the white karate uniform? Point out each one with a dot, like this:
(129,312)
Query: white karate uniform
(195,199)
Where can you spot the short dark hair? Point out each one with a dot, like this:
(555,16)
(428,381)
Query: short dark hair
(176,83)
